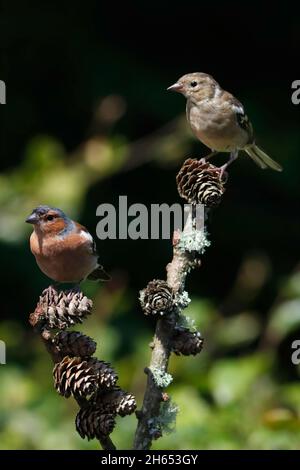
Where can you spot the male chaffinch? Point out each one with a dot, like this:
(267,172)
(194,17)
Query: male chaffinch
(218,119)
(64,250)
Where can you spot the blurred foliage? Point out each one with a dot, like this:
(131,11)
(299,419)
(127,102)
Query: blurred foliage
(89,121)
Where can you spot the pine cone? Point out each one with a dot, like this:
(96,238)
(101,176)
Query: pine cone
(116,401)
(199,182)
(157,298)
(107,377)
(91,422)
(60,309)
(186,342)
(77,377)
(73,343)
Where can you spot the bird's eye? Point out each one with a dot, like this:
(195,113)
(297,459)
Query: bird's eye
(193,84)
(50,217)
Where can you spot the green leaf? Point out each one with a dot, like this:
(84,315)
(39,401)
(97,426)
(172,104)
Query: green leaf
(230,379)
(291,288)
(238,330)
(285,319)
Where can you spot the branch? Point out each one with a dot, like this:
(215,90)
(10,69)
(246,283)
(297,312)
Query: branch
(177,271)
(47,338)
(198,182)
(77,373)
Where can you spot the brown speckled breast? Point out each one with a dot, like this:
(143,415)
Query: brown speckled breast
(216,128)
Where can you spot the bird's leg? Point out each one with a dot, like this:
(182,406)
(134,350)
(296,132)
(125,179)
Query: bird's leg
(76,287)
(211,154)
(233,156)
(56,286)
(207,157)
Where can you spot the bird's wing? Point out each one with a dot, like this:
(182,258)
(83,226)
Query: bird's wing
(91,242)
(99,273)
(241,117)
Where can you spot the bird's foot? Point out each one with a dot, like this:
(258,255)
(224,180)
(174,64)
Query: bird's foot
(211,154)
(207,157)
(223,172)
(76,287)
(54,287)
(223,168)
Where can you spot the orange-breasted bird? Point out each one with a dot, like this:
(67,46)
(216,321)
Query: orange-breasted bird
(219,120)
(64,250)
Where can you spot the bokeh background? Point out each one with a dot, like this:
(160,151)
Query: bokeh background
(88,119)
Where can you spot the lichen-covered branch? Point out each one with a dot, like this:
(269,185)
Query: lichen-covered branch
(199,183)
(157,376)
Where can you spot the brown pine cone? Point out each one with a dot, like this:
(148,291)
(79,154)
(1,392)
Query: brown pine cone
(186,342)
(73,343)
(157,298)
(107,377)
(81,378)
(60,309)
(116,401)
(91,422)
(199,182)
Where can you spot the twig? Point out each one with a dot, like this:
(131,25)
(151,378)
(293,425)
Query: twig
(47,337)
(177,271)
(106,443)
(198,182)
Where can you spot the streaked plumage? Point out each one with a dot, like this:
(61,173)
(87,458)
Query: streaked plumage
(218,119)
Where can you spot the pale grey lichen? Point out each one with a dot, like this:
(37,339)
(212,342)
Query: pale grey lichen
(194,240)
(186,322)
(165,423)
(161,379)
(167,416)
(182,300)
(142,296)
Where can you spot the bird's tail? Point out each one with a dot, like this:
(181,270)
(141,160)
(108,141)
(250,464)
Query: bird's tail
(99,274)
(261,158)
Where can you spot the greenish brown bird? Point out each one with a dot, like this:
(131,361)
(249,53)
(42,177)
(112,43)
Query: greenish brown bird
(219,120)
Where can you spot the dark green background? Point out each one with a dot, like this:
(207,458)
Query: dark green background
(66,64)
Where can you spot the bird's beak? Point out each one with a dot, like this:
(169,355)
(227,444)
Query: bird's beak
(32,219)
(176,87)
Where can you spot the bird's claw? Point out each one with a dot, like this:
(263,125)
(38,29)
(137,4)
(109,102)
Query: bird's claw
(223,172)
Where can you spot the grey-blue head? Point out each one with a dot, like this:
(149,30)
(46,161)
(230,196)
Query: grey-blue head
(50,220)
(46,213)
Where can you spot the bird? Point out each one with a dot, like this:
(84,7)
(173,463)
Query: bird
(64,250)
(219,120)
